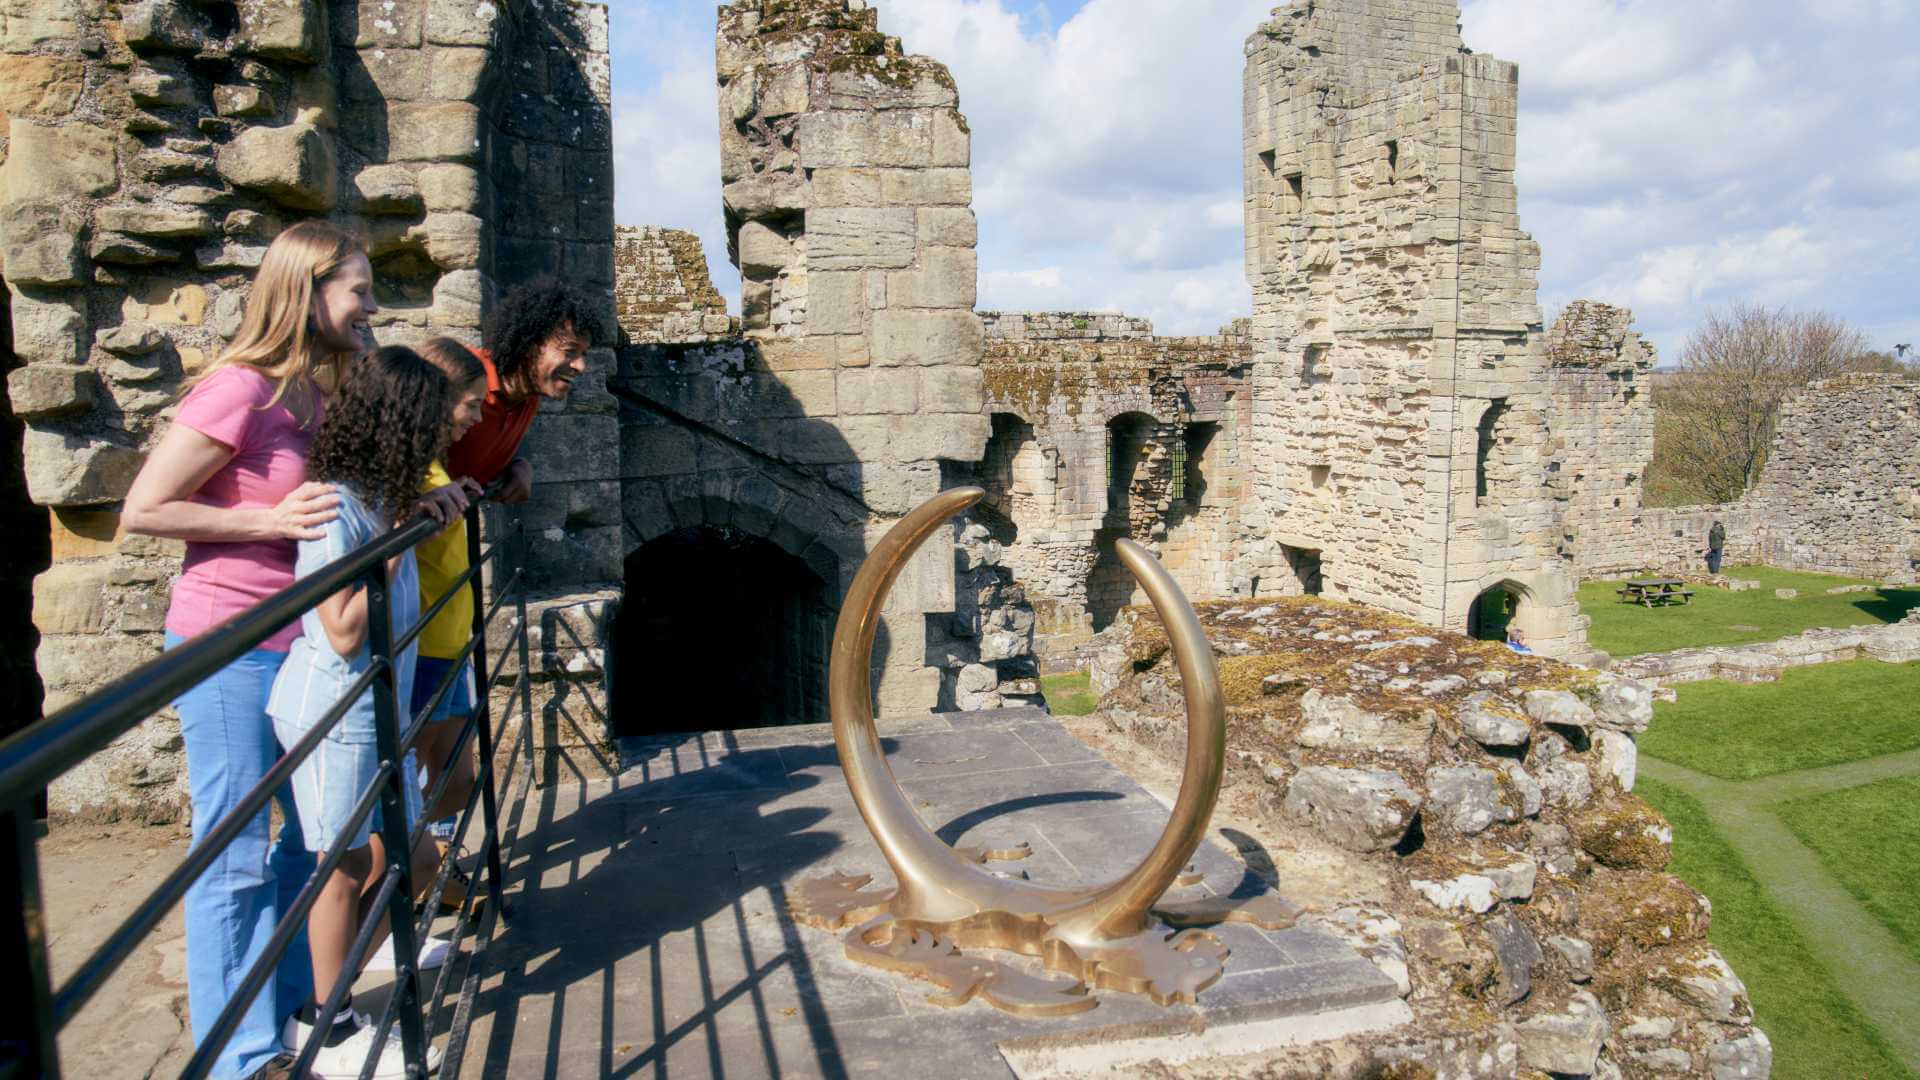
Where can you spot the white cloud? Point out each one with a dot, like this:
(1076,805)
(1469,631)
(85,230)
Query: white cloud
(1673,156)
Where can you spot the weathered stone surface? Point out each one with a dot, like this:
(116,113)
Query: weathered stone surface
(146,219)
(70,598)
(459,298)
(1464,799)
(1746,1058)
(926,337)
(291,30)
(453,239)
(76,470)
(57,164)
(450,187)
(1702,977)
(164,24)
(1516,951)
(461,22)
(1566,783)
(1623,704)
(1619,757)
(899,138)
(47,331)
(458,74)
(42,243)
(387,189)
(857,238)
(130,339)
(294,165)
(1559,707)
(1336,723)
(1525,790)
(1576,954)
(162,82)
(433,131)
(1564,1042)
(39,87)
(1463,892)
(1363,809)
(242,101)
(38,391)
(1489,722)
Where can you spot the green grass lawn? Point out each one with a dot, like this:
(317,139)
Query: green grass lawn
(1814,716)
(1816,1031)
(1869,838)
(1068,695)
(1719,617)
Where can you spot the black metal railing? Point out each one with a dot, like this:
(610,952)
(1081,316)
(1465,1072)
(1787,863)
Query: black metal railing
(33,758)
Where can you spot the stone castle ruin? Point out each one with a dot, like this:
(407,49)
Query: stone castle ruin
(1393,426)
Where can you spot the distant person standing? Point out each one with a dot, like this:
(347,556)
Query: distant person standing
(1716,547)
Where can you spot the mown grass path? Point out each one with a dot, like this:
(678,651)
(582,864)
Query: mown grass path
(1870,965)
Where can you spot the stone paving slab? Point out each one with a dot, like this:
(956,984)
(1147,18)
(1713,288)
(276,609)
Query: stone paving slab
(649,933)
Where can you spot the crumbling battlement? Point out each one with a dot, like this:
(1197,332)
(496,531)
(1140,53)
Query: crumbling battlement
(154,149)
(662,292)
(1400,382)
(1602,428)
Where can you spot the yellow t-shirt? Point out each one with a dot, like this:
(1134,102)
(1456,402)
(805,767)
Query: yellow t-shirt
(443,558)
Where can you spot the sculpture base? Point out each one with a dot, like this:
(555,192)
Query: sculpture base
(659,930)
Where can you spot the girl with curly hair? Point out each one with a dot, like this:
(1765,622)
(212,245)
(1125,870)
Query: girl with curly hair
(229,478)
(383,430)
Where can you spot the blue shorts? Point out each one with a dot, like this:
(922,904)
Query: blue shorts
(331,781)
(428,674)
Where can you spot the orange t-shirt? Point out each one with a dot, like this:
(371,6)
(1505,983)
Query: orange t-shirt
(486,450)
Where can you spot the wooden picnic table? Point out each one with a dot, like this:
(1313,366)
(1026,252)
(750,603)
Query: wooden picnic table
(1654,592)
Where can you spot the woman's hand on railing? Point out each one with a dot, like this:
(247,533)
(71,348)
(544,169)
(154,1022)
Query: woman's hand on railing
(301,515)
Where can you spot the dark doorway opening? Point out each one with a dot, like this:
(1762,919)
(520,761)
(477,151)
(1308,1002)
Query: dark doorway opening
(25,555)
(1305,565)
(719,629)
(1492,613)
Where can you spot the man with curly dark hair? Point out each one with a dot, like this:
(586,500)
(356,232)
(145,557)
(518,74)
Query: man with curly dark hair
(537,344)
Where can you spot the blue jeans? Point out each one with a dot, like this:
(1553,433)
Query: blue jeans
(231,911)
(1713,560)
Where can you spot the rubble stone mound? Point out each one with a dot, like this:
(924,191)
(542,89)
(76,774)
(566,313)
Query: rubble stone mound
(1476,806)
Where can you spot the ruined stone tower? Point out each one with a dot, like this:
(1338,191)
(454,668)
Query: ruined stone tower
(1401,389)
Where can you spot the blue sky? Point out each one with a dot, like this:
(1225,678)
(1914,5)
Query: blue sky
(1674,156)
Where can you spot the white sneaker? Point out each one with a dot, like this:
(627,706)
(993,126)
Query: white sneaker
(344,1059)
(433,953)
(295,1032)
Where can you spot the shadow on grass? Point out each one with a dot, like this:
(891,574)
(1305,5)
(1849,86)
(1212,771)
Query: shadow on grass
(1890,605)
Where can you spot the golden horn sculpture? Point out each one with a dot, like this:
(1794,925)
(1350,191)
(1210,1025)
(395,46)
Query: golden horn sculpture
(1102,936)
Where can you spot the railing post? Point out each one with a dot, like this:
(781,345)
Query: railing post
(526,659)
(483,717)
(28,1043)
(393,822)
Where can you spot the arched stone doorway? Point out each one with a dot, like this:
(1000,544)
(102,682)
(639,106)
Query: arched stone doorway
(719,629)
(1496,609)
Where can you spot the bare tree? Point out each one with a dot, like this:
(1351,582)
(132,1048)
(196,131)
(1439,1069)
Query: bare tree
(1715,416)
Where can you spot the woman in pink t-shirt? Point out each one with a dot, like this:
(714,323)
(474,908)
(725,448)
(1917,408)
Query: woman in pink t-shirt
(229,478)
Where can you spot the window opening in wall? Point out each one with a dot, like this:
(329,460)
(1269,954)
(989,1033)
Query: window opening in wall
(1310,365)
(1393,160)
(1305,564)
(1190,461)
(1297,192)
(1178,490)
(1318,475)
(1488,437)
(1493,612)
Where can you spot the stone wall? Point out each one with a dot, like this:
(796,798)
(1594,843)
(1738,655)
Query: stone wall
(1091,423)
(1400,380)
(662,290)
(856,379)
(153,151)
(1602,431)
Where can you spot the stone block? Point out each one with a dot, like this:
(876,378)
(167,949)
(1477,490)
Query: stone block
(813,392)
(765,195)
(384,76)
(458,74)
(952,226)
(763,250)
(70,598)
(953,389)
(433,131)
(390,24)
(146,219)
(859,238)
(387,189)
(281,30)
(41,241)
(39,87)
(845,187)
(38,391)
(947,277)
(920,437)
(462,22)
(925,85)
(836,302)
(459,299)
(879,391)
(926,338)
(952,143)
(295,165)
(25,24)
(57,164)
(48,331)
(450,187)
(166,302)
(782,91)
(242,100)
(893,139)
(152,25)
(1365,810)
(77,470)
(453,240)
(926,187)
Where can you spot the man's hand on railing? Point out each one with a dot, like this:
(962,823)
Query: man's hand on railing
(302,513)
(447,503)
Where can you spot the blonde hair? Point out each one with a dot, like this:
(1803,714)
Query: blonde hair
(275,336)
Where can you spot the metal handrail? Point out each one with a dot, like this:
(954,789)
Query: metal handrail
(33,758)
